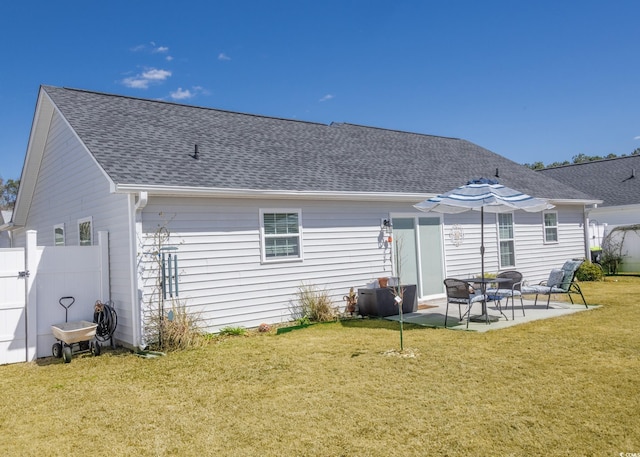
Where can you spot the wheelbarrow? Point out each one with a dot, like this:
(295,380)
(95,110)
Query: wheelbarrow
(79,335)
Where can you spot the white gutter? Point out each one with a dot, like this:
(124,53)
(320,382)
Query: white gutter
(585,233)
(281,194)
(566,201)
(295,194)
(143,199)
(135,234)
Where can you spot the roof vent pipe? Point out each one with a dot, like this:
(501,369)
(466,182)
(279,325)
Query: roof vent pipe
(196,154)
(497,174)
(633,172)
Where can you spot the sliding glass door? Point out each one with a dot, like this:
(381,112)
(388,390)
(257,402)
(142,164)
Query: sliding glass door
(418,253)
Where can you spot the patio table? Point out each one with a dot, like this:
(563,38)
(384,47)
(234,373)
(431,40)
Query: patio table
(483,284)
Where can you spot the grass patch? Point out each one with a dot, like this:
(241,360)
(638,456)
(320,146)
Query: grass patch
(233,331)
(563,386)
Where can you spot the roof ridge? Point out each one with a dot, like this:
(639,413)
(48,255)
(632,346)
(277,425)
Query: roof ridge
(186,105)
(604,159)
(395,130)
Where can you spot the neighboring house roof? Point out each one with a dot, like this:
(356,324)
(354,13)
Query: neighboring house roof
(5,216)
(614,181)
(150,143)
(5,224)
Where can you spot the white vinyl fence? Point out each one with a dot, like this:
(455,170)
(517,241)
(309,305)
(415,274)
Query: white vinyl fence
(32,281)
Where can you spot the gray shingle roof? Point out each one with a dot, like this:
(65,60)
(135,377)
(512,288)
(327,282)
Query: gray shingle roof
(609,180)
(146,142)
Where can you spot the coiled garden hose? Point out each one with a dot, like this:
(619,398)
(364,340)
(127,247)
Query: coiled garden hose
(105,316)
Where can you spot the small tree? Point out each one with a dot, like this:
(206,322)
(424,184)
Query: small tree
(398,290)
(8,193)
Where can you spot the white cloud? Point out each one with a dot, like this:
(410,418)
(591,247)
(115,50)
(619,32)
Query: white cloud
(636,137)
(181,94)
(326,98)
(184,94)
(154,74)
(142,81)
(200,90)
(135,82)
(154,49)
(169,58)
(223,56)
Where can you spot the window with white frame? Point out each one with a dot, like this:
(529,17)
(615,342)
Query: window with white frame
(58,235)
(506,240)
(85,232)
(281,233)
(550,227)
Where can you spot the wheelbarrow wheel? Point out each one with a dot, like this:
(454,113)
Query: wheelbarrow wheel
(66,354)
(95,348)
(56,350)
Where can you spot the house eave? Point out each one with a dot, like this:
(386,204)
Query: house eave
(619,208)
(568,201)
(185,191)
(180,191)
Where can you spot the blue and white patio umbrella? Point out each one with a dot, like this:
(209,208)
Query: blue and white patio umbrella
(483,195)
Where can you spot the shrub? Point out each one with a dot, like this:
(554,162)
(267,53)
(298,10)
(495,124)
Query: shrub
(177,330)
(589,272)
(313,304)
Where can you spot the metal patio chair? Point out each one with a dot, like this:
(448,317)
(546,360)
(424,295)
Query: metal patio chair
(560,281)
(460,292)
(509,290)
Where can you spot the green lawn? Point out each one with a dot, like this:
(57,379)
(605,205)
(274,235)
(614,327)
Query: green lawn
(565,386)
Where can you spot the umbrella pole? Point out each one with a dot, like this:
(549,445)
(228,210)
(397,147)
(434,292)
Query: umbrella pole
(482,241)
(484,284)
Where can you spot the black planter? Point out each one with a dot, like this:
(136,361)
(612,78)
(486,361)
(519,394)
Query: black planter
(381,302)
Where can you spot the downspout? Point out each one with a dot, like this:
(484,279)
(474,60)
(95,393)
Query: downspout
(140,202)
(143,199)
(8,227)
(585,213)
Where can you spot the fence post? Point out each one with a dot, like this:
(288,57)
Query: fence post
(105,279)
(31,305)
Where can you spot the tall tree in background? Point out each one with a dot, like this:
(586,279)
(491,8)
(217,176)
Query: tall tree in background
(8,193)
(579,158)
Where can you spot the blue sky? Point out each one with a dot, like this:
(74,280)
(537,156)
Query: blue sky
(533,81)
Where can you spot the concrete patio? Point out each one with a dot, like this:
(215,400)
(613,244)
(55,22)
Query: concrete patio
(432,314)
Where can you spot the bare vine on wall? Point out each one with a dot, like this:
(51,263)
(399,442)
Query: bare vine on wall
(151,268)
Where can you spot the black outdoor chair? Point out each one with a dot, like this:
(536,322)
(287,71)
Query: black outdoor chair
(461,293)
(508,290)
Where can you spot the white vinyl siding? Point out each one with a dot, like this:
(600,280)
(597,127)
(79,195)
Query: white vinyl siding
(534,257)
(70,187)
(221,273)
